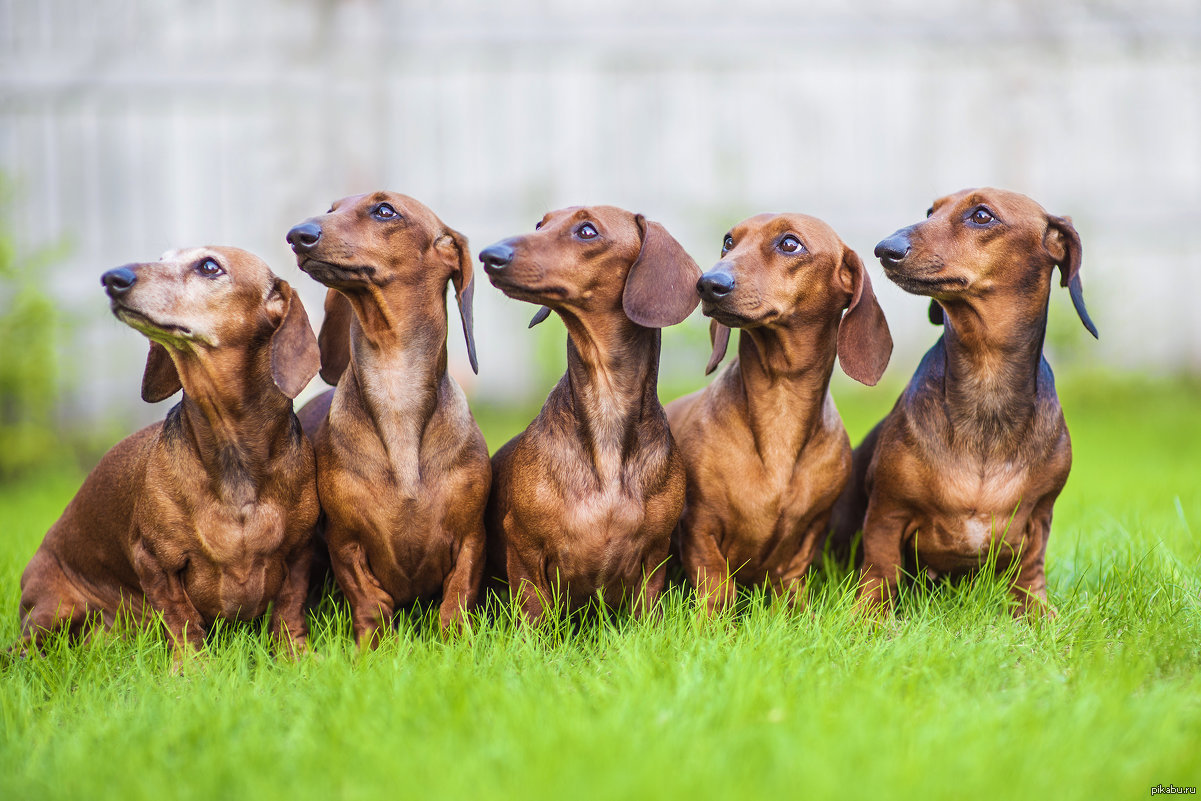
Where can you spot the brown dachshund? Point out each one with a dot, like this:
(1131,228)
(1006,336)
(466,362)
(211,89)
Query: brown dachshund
(975,451)
(402,468)
(585,499)
(765,449)
(209,514)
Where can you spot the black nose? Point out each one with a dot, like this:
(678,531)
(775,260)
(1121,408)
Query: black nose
(119,281)
(892,251)
(715,285)
(496,257)
(304,237)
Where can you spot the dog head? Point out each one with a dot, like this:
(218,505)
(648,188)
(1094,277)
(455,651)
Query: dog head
(979,242)
(212,298)
(597,259)
(369,242)
(776,269)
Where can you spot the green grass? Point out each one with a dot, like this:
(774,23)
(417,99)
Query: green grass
(951,699)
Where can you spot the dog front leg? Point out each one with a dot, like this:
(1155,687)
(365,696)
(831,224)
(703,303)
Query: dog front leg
(706,567)
(462,585)
(526,586)
(163,587)
(371,607)
(288,623)
(883,532)
(654,579)
(792,582)
(1030,584)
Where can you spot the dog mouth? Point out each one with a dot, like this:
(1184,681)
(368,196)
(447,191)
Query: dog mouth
(734,319)
(519,291)
(927,284)
(332,274)
(147,325)
(725,316)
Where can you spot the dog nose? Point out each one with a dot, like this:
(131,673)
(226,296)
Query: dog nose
(892,251)
(496,257)
(119,281)
(715,285)
(304,237)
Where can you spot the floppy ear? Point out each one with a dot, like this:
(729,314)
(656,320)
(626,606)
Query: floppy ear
(334,340)
(539,316)
(453,247)
(864,341)
(295,358)
(1063,243)
(719,337)
(661,285)
(935,313)
(160,380)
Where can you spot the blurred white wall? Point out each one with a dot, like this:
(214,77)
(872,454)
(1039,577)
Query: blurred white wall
(131,127)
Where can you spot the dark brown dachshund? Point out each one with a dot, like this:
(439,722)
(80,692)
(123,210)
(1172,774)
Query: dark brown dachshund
(766,452)
(975,451)
(585,499)
(402,468)
(209,514)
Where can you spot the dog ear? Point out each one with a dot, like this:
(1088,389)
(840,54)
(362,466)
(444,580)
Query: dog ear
(935,313)
(1063,243)
(333,342)
(453,247)
(160,379)
(864,341)
(539,316)
(719,337)
(295,357)
(661,285)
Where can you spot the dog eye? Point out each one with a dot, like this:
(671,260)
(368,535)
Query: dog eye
(537,225)
(981,216)
(384,211)
(586,231)
(790,244)
(727,244)
(209,268)
(930,212)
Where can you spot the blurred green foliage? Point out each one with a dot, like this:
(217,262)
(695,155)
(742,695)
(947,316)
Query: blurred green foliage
(30,327)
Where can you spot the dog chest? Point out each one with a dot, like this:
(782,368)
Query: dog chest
(236,563)
(603,539)
(973,510)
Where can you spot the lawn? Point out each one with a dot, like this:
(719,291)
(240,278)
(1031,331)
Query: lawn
(951,699)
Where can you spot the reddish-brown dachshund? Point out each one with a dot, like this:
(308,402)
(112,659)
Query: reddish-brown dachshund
(585,499)
(402,468)
(209,514)
(975,452)
(765,449)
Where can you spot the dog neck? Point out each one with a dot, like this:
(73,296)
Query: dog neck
(398,363)
(612,380)
(784,373)
(233,417)
(993,348)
